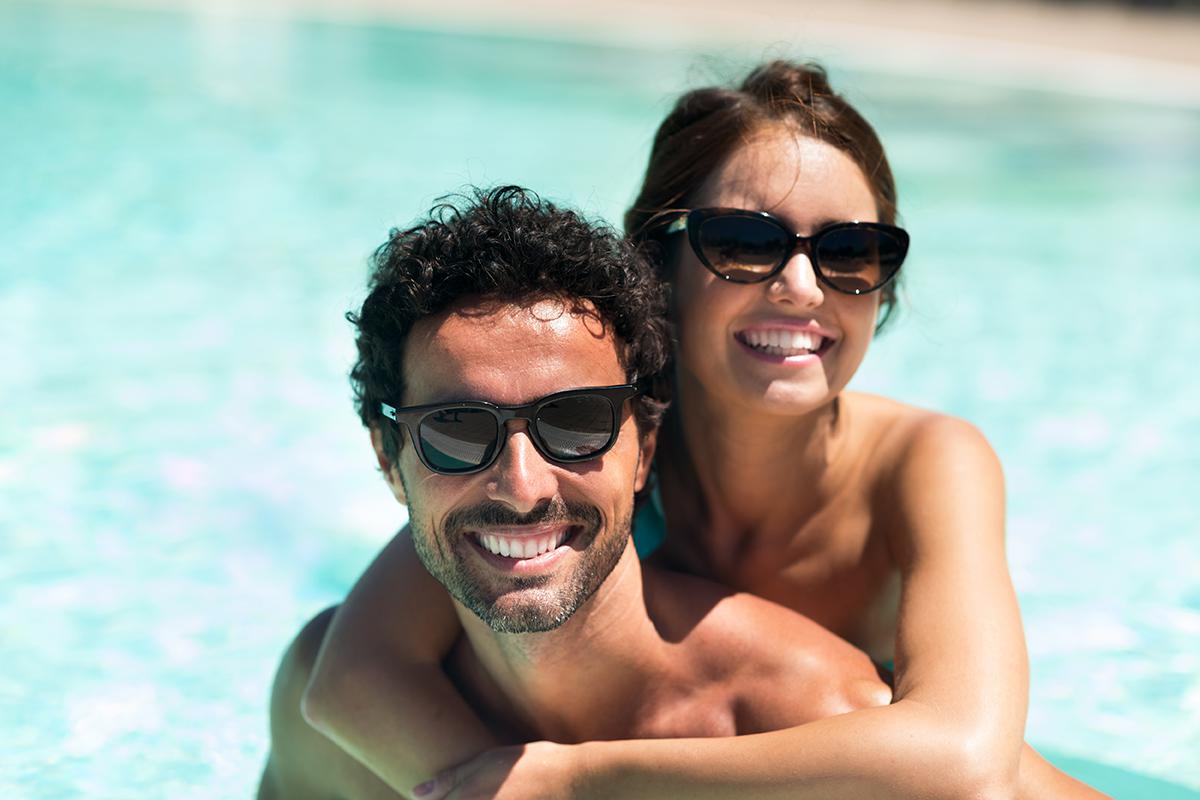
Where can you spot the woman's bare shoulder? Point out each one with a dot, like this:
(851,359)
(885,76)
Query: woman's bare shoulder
(930,472)
(877,411)
(896,432)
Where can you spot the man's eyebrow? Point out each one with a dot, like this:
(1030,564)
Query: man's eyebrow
(447,399)
(439,399)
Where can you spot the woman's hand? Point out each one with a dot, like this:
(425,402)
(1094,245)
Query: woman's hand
(523,772)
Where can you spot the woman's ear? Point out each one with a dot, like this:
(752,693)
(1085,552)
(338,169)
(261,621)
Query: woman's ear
(391,472)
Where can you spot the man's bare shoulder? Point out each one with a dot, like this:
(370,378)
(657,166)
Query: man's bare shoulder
(303,764)
(780,667)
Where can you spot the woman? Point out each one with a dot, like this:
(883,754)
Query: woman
(882,522)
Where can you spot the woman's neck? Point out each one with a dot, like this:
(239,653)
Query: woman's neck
(752,467)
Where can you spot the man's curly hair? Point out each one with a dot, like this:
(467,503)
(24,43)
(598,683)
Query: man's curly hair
(504,244)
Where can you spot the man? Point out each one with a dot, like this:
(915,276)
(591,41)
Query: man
(503,357)
(527,521)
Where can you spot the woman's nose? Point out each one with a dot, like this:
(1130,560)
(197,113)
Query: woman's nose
(797,283)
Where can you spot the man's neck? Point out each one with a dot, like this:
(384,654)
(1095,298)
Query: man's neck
(582,680)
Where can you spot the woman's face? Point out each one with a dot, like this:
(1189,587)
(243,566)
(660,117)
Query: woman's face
(790,343)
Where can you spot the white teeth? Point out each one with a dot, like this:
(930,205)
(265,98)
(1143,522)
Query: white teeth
(521,546)
(783,342)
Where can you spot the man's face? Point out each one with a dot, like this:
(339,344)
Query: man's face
(524,543)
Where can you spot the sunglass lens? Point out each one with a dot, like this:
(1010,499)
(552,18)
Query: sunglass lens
(857,260)
(742,249)
(575,427)
(458,439)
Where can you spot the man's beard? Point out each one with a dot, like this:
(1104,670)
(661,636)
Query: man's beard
(525,604)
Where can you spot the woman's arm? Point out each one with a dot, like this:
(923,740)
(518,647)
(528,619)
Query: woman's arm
(956,727)
(957,723)
(378,689)
(548,771)
(960,648)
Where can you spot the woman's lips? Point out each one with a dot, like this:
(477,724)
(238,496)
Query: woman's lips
(785,345)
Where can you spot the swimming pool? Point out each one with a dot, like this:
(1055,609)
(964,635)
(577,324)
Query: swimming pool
(186,205)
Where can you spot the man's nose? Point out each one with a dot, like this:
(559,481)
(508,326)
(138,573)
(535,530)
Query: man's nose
(797,284)
(521,478)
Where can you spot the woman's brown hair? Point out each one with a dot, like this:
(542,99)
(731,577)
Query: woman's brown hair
(707,125)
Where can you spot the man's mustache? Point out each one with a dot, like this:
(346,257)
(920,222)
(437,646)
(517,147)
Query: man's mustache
(554,511)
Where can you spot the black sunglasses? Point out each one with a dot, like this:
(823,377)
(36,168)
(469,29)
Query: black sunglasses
(459,438)
(752,246)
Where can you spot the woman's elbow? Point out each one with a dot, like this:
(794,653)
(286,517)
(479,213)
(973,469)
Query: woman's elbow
(304,662)
(315,705)
(958,760)
(985,771)
(328,698)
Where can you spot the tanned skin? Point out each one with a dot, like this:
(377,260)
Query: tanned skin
(882,522)
(650,654)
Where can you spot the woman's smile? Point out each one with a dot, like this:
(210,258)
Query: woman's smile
(794,342)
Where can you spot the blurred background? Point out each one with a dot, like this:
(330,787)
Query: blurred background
(188,196)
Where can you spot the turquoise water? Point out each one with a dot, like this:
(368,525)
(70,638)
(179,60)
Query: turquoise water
(186,205)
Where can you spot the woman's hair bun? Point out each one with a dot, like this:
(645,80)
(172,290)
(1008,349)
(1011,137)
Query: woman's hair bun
(782,81)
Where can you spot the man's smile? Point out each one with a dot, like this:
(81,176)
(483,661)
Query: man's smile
(522,542)
(524,549)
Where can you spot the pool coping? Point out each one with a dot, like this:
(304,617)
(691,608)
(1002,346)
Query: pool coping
(1107,51)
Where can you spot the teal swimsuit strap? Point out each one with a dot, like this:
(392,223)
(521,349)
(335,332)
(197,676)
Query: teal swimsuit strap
(649,524)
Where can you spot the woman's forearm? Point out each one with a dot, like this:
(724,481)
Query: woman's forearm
(897,751)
